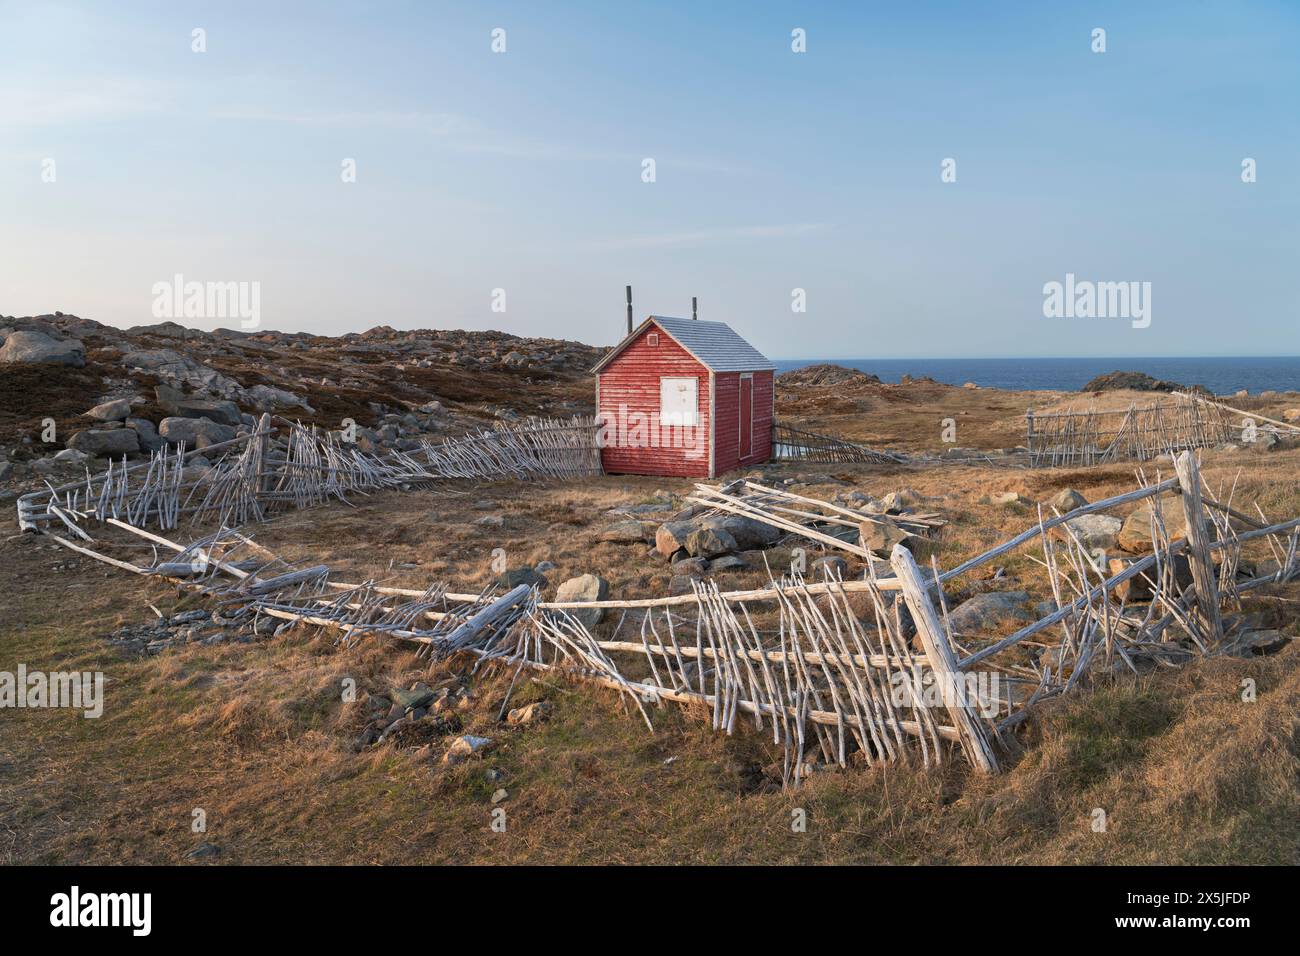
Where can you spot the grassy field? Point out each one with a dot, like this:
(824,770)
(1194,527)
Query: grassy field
(258,737)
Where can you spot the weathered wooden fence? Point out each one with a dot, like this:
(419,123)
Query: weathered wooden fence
(1094,436)
(866,671)
(793,444)
(284,464)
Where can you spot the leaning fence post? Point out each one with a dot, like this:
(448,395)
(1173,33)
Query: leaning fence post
(943,663)
(1203,576)
(261,483)
(1029,435)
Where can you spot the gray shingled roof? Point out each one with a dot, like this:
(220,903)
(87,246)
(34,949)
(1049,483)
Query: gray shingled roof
(715,344)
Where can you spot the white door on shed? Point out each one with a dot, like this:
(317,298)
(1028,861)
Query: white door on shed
(679,401)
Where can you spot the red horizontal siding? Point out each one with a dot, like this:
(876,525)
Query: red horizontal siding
(628,386)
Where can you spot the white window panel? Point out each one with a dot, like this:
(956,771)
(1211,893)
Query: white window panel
(679,402)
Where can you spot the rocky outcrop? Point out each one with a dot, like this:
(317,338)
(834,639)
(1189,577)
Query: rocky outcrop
(31,347)
(826,375)
(1133,381)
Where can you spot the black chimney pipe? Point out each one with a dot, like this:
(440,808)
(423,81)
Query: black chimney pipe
(694,313)
(629,310)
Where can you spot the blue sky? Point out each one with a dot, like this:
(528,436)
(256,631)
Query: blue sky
(522,171)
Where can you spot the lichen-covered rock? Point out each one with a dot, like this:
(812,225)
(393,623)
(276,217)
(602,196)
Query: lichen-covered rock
(31,347)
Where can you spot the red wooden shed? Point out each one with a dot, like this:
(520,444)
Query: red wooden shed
(684,398)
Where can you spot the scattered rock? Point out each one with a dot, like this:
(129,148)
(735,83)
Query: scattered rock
(671,537)
(180,405)
(709,542)
(112,411)
(1010,498)
(881,536)
(727,562)
(586,587)
(628,531)
(1096,531)
(203,851)
(829,564)
(499,795)
(463,748)
(1138,588)
(985,610)
(1135,535)
(748,533)
(681,584)
(490,521)
(194,432)
(530,714)
(105,442)
(901,500)
(691,566)
(1067,500)
(71,456)
(147,434)
(419,695)
(1256,643)
(514,577)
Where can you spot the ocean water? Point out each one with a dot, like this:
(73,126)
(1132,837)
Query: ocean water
(1223,376)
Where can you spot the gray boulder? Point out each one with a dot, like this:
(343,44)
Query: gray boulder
(831,564)
(1096,531)
(31,347)
(112,411)
(749,533)
(585,587)
(881,536)
(105,442)
(523,575)
(671,537)
(627,531)
(681,584)
(984,610)
(727,562)
(267,398)
(194,432)
(689,566)
(709,542)
(181,405)
(1067,500)
(149,438)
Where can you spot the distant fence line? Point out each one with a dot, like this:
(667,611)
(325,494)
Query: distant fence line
(1094,436)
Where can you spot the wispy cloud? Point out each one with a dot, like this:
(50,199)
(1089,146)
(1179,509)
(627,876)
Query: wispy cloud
(439,123)
(96,102)
(705,237)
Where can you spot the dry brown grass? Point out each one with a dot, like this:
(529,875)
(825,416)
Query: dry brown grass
(258,736)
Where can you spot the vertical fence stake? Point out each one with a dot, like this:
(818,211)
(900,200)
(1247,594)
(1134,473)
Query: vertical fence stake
(943,663)
(1203,576)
